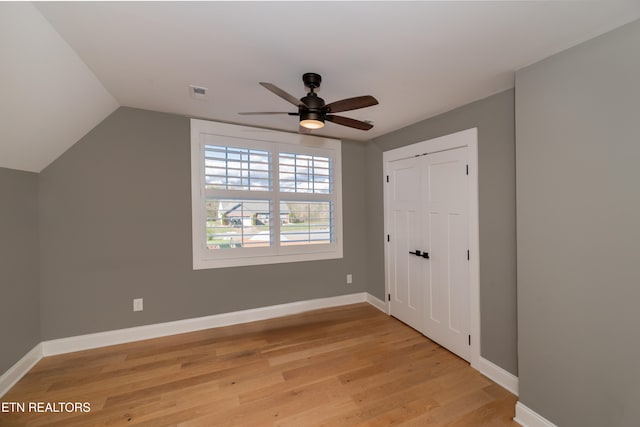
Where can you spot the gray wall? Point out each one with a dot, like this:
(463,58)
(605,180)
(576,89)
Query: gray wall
(19,293)
(578,183)
(115,215)
(375,222)
(494,118)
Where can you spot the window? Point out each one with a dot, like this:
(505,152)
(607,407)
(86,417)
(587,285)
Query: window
(262,197)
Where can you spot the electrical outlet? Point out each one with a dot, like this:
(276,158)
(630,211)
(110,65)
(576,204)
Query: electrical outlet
(349,279)
(137,304)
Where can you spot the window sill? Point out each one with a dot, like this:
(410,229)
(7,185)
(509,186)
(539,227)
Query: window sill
(202,264)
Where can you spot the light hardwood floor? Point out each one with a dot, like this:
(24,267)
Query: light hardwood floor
(345,366)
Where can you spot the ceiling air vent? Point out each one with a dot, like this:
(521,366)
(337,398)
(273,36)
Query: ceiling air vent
(197,92)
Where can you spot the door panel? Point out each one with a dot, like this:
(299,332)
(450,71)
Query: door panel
(406,287)
(445,201)
(457,278)
(434,311)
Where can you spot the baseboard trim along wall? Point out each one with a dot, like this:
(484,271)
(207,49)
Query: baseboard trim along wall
(19,369)
(122,336)
(495,373)
(377,303)
(528,418)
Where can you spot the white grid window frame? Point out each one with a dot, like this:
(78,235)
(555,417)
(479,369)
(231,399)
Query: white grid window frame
(247,139)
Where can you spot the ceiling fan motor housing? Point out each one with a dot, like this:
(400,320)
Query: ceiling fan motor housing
(312,102)
(311,115)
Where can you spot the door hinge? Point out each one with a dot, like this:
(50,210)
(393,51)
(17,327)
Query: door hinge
(388,238)
(468,255)
(467,169)
(469,339)
(388,297)
(387,178)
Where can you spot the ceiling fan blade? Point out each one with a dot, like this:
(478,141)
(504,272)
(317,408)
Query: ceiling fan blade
(256,113)
(282,94)
(346,121)
(351,104)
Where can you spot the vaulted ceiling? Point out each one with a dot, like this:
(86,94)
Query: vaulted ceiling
(68,65)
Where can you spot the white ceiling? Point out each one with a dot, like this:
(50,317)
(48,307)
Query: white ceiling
(417,58)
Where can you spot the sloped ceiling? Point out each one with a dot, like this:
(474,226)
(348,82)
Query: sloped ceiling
(49,98)
(72,63)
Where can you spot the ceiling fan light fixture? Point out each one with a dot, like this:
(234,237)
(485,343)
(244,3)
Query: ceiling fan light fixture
(311,124)
(311,120)
(312,110)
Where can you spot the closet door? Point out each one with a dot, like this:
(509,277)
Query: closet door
(428,246)
(406,270)
(446,235)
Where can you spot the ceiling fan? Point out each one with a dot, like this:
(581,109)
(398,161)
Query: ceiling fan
(312,110)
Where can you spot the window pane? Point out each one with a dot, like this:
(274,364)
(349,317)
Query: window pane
(233,168)
(301,173)
(235,223)
(306,223)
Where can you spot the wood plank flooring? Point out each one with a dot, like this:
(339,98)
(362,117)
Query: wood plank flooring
(345,366)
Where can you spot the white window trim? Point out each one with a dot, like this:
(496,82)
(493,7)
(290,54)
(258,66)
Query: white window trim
(204,258)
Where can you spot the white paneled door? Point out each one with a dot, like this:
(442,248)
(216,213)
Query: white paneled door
(407,269)
(446,234)
(428,225)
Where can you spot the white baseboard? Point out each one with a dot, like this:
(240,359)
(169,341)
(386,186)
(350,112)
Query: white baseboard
(377,303)
(528,418)
(121,336)
(19,369)
(497,374)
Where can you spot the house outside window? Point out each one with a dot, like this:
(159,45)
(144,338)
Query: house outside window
(262,197)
